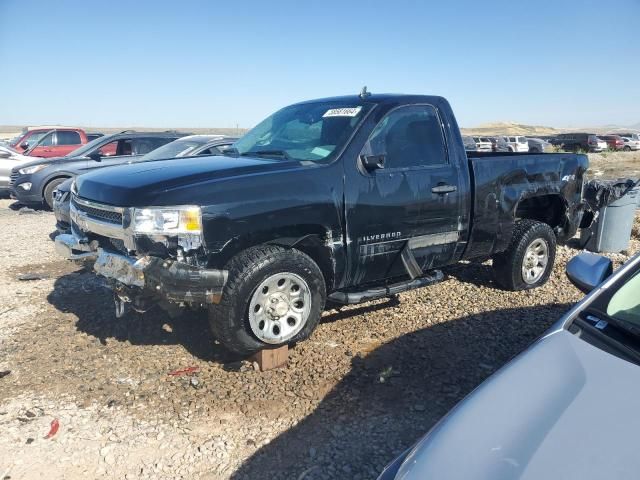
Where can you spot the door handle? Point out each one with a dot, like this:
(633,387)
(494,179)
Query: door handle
(442,189)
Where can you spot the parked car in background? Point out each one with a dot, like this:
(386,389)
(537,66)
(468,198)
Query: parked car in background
(469,144)
(9,158)
(34,182)
(575,142)
(566,408)
(517,144)
(189,146)
(93,136)
(614,142)
(483,144)
(538,145)
(50,142)
(631,135)
(630,144)
(499,144)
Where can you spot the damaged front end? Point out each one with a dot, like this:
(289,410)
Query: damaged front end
(150,256)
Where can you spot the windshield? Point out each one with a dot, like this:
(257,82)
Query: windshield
(625,302)
(86,149)
(306,132)
(31,140)
(178,148)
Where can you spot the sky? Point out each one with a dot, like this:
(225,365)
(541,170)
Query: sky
(211,64)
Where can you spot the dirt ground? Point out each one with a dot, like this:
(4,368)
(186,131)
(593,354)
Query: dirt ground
(369,382)
(614,165)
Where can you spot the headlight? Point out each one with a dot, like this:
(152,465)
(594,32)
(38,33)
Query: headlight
(167,220)
(74,189)
(30,170)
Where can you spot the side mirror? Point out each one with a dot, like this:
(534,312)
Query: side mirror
(95,156)
(373,162)
(587,270)
(24,145)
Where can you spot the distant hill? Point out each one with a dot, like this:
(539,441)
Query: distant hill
(510,128)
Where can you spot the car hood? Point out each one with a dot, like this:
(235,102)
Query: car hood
(563,409)
(46,161)
(161,182)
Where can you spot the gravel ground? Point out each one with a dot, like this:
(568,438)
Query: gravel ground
(614,164)
(370,381)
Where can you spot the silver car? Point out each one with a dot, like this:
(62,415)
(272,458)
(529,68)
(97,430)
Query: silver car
(565,408)
(538,145)
(9,158)
(631,144)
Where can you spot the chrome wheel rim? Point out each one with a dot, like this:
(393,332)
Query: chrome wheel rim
(536,258)
(279,307)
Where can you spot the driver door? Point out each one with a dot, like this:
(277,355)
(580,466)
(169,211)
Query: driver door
(411,199)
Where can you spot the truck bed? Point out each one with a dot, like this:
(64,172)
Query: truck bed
(503,181)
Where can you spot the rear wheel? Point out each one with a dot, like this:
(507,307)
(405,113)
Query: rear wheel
(273,297)
(49,189)
(528,261)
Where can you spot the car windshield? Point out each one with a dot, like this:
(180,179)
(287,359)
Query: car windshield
(31,140)
(178,148)
(86,149)
(624,304)
(314,131)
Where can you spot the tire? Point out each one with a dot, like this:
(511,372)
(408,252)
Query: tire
(48,191)
(531,242)
(626,148)
(242,314)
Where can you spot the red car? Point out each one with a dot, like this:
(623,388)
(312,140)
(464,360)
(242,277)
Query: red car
(614,142)
(49,142)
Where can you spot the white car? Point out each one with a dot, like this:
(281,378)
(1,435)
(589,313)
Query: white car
(483,144)
(631,144)
(517,144)
(9,158)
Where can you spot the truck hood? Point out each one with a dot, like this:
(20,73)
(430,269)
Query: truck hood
(563,409)
(159,183)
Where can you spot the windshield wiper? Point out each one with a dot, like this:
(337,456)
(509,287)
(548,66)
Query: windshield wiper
(596,317)
(267,153)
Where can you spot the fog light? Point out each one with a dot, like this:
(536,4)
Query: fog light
(25,186)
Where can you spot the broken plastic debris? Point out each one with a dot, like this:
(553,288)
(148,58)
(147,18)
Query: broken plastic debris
(184,371)
(4,373)
(55,425)
(32,276)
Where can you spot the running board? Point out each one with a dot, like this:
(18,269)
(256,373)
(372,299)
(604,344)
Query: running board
(350,298)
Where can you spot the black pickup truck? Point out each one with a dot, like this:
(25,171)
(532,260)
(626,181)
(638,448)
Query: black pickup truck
(337,200)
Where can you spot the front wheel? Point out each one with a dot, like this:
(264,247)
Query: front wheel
(626,148)
(49,189)
(528,261)
(273,297)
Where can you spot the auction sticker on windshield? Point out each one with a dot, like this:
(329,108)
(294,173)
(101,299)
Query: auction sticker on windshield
(343,112)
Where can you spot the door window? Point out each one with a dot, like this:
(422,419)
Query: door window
(409,137)
(47,141)
(68,137)
(109,149)
(140,146)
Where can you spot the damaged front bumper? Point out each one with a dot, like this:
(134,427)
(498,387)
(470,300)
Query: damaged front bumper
(147,276)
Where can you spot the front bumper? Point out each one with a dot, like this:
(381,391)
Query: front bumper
(33,196)
(148,276)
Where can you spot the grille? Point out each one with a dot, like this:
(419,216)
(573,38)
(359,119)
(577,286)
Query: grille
(12,178)
(99,214)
